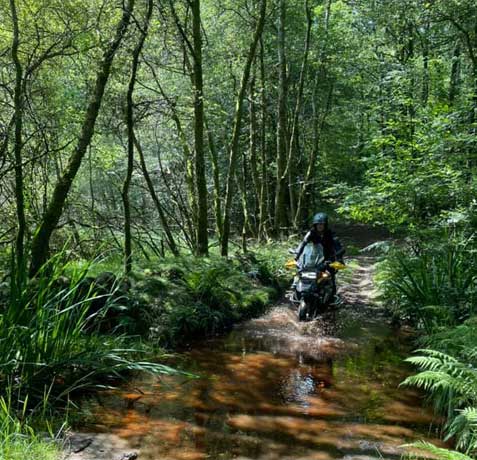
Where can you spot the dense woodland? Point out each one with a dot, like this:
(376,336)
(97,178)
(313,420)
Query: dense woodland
(140,131)
(175,124)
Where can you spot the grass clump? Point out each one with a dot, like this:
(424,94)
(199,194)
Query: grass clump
(18,440)
(432,283)
(52,348)
(50,340)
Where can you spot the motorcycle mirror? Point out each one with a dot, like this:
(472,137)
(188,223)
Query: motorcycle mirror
(291,264)
(337,265)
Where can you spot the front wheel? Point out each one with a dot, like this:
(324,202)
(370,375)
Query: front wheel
(328,294)
(303,310)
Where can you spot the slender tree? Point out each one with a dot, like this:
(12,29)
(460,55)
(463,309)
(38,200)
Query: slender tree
(214,157)
(130,147)
(18,160)
(280,196)
(264,205)
(201,182)
(41,240)
(162,216)
(234,143)
(296,114)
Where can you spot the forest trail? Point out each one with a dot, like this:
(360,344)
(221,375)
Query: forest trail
(274,388)
(130,130)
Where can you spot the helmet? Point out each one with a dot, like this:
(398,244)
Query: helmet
(320,218)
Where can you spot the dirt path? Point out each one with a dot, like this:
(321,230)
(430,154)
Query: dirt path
(273,389)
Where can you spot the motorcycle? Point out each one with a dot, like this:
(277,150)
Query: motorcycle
(314,286)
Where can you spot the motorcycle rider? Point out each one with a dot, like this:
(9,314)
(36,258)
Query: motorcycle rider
(320,233)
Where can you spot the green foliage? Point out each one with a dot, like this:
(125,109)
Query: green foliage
(411,182)
(50,342)
(436,452)
(433,284)
(457,341)
(268,261)
(452,384)
(202,296)
(18,440)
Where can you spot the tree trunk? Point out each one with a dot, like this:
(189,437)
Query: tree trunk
(317,130)
(454,84)
(294,130)
(188,161)
(280,196)
(234,144)
(41,240)
(18,122)
(165,224)
(318,124)
(253,138)
(215,173)
(472,45)
(201,184)
(425,65)
(130,131)
(264,206)
(473,109)
(242,182)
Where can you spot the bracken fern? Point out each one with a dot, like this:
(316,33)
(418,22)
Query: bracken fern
(452,385)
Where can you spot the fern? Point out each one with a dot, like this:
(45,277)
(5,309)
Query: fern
(459,341)
(443,373)
(464,428)
(453,387)
(437,452)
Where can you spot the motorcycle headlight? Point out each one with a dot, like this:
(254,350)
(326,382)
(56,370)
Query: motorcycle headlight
(323,277)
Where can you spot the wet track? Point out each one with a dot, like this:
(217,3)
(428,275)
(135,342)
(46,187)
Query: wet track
(275,388)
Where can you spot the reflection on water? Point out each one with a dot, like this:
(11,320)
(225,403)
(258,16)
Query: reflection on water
(277,389)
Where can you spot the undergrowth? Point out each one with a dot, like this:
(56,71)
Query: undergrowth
(52,349)
(76,327)
(18,440)
(187,297)
(432,284)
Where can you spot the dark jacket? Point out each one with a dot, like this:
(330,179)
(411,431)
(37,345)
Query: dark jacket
(332,247)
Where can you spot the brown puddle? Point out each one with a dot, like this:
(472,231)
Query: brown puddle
(278,389)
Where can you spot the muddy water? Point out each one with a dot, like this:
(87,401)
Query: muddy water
(275,388)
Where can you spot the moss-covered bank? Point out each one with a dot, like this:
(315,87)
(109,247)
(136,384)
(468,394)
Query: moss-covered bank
(173,300)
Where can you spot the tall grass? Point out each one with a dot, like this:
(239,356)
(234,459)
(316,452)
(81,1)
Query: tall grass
(50,342)
(18,440)
(434,286)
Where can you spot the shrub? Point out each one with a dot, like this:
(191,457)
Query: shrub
(434,283)
(202,296)
(452,385)
(50,342)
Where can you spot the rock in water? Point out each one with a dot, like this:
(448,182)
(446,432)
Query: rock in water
(130,456)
